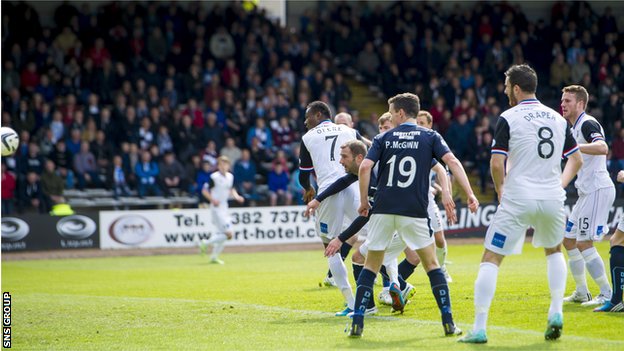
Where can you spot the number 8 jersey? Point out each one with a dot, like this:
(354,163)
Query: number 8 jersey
(534,138)
(320,151)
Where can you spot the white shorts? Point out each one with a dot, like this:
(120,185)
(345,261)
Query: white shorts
(506,233)
(620,226)
(332,212)
(221,220)
(589,219)
(393,251)
(433,212)
(414,232)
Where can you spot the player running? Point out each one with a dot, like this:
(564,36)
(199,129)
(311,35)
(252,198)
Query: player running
(217,191)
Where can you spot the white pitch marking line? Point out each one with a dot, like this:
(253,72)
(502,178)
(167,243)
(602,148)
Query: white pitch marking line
(325,314)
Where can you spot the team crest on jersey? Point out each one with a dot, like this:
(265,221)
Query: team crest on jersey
(499,240)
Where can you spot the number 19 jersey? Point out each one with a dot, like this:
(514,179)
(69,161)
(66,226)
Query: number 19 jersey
(320,151)
(534,138)
(404,155)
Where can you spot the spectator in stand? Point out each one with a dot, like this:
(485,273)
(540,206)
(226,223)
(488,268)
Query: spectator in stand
(245,178)
(86,167)
(278,185)
(196,114)
(25,118)
(617,152)
(9,184)
(147,172)
(172,174)
(31,194)
(203,177)
(231,151)
(482,158)
(63,160)
(117,175)
(210,155)
(52,187)
(262,133)
(283,134)
(458,136)
(32,162)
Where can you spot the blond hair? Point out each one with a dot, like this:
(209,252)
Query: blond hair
(386,117)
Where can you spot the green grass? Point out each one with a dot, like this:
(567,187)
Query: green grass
(272,301)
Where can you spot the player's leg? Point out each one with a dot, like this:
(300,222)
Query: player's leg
(575,258)
(601,200)
(505,236)
(225,227)
(381,227)
(440,241)
(617,272)
(407,266)
(418,235)
(547,221)
(364,291)
(441,253)
(329,222)
(357,259)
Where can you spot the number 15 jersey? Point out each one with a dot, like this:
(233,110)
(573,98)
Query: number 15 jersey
(534,138)
(320,151)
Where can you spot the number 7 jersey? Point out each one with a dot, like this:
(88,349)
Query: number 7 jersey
(320,151)
(534,138)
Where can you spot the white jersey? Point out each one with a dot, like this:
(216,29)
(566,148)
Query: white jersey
(320,151)
(593,175)
(220,187)
(534,137)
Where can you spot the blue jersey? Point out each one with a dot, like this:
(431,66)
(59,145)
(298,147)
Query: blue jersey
(405,155)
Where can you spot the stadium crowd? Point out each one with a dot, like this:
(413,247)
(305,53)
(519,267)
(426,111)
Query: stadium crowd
(142,98)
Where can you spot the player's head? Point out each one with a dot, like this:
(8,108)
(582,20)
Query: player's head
(351,155)
(573,101)
(344,118)
(403,106)
(424,119)
(519,80)
(316,112)
(223,164)
(385,122)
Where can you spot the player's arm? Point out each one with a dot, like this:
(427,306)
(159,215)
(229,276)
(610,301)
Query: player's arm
(592,133)
(206,192)
(500,146)
(497,169)
(460,175)
(361,138)
(336,243)
(305,168)
(447,198)
(364,175)
(339,185)
(575,160)
(236,196)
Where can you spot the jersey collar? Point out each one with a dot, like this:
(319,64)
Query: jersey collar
(578,119)
(529,101)
(325,121)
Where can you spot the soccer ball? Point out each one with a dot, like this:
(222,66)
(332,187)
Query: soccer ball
(10,141)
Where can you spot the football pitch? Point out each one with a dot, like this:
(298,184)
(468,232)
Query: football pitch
(271,300)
